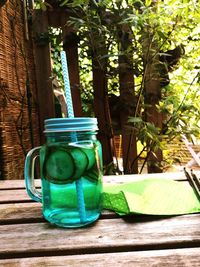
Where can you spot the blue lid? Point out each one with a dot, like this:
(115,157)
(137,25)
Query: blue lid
(70,124)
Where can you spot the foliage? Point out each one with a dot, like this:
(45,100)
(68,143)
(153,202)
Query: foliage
(56,47)
(40,4)
(163,25)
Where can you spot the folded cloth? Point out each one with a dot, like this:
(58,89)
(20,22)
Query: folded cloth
(152,197)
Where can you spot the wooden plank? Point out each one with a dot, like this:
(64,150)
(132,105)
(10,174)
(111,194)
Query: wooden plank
(171,257)
(24,212)
(10,193)
(14,184)
(30,212)
(10,196)
(43,239)
(10,184)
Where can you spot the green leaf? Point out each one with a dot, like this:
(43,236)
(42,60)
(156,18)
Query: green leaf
(148,2)
(135,119)
(64,2)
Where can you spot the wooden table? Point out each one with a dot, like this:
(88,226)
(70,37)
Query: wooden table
(27,240)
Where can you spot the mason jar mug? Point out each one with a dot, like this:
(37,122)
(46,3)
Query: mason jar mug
(70,170)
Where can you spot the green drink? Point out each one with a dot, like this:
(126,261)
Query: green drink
(63,165)
(69,158)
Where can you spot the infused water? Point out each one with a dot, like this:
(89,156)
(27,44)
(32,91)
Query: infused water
(62,166)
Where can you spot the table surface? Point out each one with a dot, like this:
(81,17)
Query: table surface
(28,240)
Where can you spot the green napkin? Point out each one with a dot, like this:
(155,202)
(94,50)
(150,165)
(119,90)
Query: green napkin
(151,196)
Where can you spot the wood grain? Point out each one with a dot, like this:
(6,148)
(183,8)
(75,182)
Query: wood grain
(162,258)
(24,212)
(42,56)
(104,236)
(28,240)
(14,184)
(31,212)
(15,195)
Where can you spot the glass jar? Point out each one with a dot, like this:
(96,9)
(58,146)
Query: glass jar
(71,172)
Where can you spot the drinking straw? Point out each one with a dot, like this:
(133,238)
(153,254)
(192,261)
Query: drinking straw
(70,111)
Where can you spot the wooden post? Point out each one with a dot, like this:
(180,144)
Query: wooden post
(152,94)
(152,91)
(129,145)
(127,99)
(101,109)
(43,69)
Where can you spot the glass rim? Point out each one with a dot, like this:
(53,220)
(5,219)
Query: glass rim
(76,124)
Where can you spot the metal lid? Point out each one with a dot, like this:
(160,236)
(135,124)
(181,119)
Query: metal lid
(70,124)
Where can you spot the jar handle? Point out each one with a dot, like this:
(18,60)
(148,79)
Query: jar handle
(29,174)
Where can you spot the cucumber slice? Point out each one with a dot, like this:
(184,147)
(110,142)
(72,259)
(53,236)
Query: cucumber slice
(89,148)
(65,164)
(80,162)
(59,166)
(90,153)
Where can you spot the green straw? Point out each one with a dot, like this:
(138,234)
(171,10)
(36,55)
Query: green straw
(70,111)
